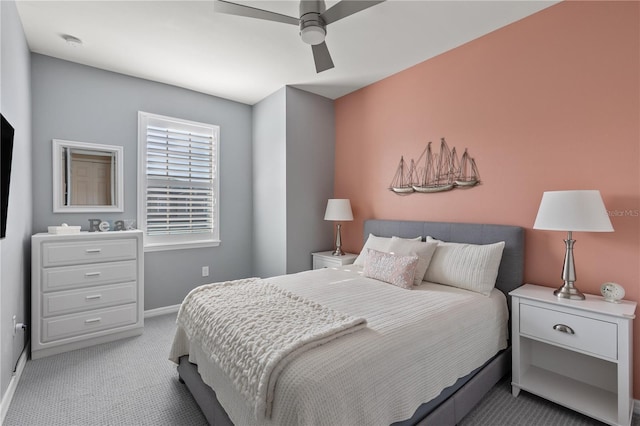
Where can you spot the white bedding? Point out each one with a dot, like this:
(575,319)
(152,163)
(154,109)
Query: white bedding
(251,329)
(416,343)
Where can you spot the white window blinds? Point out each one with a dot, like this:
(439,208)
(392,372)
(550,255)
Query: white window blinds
(180,189)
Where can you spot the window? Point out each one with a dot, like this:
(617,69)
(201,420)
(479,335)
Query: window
(178,182)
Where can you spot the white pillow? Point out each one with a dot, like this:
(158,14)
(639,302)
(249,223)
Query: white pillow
(424,251)
(376,243)
(468,266)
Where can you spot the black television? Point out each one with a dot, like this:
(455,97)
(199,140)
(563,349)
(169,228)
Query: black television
(6,152)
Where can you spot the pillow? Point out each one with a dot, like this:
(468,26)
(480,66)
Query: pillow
(390,268)
(375,243)
(424,251)
(468,266)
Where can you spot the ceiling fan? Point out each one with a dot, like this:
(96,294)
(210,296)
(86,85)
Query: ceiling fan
(313,21)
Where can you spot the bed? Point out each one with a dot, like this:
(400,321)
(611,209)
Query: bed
(363,399)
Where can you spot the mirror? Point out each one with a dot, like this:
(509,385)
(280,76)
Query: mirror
(87,177)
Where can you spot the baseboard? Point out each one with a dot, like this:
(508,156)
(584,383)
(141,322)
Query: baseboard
(161,311)
(636,407)
(13,383)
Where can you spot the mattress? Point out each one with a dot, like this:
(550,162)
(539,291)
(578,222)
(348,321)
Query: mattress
(416,343)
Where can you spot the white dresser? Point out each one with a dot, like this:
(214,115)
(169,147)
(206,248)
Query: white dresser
(577,353)
(86,289)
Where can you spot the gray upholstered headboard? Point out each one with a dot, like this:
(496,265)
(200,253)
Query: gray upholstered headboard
(510,274)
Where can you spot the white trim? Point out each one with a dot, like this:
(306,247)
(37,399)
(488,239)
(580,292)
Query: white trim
(13,383)
(177,246)
(161,311)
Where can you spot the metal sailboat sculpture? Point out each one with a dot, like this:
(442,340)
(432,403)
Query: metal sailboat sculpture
(402,182)
(468,174)
(438,173)
(435,172)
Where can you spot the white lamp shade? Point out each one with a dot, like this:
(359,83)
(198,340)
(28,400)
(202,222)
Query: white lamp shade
(581,210)
(338,209)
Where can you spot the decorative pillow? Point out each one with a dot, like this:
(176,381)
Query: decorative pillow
(468,266)
(376,243)
(390,268)
(423,250)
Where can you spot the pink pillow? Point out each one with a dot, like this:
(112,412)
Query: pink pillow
(390,268)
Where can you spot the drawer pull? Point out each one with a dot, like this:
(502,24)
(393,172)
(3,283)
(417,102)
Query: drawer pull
(97,250)
(93,297)
(92,274)
(92,320)
(563,328)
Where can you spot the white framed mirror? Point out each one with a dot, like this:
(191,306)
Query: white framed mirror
(87,177)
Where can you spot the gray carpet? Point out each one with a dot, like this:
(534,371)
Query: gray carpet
(131,382)
(127,382)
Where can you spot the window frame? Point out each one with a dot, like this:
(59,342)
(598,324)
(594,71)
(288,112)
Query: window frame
(183,241)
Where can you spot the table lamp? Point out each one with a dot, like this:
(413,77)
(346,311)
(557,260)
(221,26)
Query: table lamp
(570,211)
(338,210)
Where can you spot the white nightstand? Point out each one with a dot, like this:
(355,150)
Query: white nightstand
(324,259)
(577,353)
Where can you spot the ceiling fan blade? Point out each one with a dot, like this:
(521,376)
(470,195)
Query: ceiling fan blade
(230,8)
(322,57)
(344,8)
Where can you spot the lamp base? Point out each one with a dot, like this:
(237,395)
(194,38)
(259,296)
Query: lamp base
(568,291)
(338,251)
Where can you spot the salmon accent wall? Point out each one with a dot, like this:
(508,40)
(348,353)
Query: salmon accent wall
(551,102)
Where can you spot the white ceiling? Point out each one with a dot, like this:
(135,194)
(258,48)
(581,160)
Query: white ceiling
(187,44)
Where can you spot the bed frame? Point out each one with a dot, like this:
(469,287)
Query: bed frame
(457,400)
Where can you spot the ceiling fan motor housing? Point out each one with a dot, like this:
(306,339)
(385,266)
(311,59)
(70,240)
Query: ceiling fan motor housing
(312,27)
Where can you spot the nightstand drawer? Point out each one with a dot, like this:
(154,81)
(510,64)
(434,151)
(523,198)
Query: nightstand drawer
(572,331)
(326,259)
(319,263)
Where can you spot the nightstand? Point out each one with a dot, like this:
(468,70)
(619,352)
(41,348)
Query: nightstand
(576,353)
(324,259)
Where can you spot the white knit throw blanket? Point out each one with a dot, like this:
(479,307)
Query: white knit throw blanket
(252,329)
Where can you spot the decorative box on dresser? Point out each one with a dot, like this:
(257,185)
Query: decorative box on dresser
(86,288)
(576,353)
(326,259)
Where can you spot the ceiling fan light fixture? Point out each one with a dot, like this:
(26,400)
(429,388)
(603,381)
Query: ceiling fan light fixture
(313,21)
(313,34)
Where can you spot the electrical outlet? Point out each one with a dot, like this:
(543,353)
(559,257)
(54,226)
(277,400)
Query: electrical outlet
(205,271)
(14,325)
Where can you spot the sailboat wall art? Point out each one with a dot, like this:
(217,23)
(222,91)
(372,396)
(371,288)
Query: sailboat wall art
(435,172)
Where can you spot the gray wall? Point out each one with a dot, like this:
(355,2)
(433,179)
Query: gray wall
(294,140)
(310,166)
(80,103)
(269,185)
(15,257)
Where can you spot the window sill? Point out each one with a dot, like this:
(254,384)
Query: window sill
(180,246)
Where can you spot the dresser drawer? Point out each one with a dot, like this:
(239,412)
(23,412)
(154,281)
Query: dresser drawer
(67,302)
(68,277)
(89,322)
(589,335)
(74,252)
